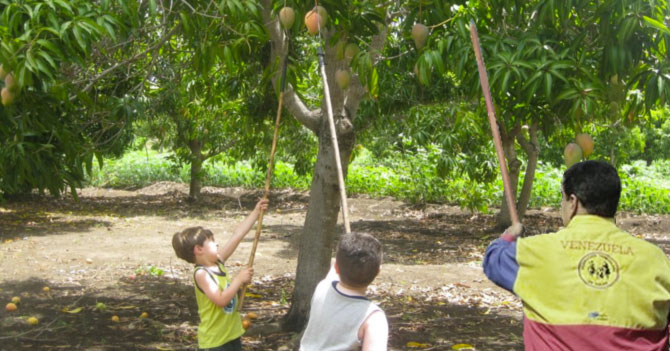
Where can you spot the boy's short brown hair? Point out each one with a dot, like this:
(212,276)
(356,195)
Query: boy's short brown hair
(359,256)
(183,242)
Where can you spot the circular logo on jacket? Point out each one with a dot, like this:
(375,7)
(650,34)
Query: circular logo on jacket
(598,270)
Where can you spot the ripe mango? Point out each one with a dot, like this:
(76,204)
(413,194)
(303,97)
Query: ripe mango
(313,21)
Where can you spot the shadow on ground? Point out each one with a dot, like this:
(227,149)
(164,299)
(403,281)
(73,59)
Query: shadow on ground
(171,318)
(36,215)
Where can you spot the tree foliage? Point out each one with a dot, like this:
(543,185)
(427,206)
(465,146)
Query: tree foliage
(82,69)
(553,66)
(71,102)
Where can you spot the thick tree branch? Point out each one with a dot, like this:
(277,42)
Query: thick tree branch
(308,117)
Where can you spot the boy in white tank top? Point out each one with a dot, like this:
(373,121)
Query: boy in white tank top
(341,316)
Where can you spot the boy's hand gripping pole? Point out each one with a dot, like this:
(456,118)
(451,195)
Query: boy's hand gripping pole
(484,80)
(333,138)
(268,177)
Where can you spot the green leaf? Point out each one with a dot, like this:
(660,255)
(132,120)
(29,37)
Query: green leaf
(185,22)
(49,46)
(568,94)
(152,7)
(656,24)
(373,86)
(79,37)
(228,57)
(547,86)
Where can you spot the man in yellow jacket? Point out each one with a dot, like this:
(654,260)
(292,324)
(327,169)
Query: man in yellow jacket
(589,286)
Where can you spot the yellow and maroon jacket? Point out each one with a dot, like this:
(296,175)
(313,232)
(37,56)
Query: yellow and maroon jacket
(590,286)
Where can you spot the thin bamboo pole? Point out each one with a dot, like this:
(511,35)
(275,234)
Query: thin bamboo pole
(484,80)
(333,138)
(268,179)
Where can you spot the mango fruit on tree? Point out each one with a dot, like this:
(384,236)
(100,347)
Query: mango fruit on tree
(286,17)
(339,49)
(342,77)
(350,51)
(420,35)
(7,96)
(316,19)
(324,15)
(10,82)
(585,142)
(572,154)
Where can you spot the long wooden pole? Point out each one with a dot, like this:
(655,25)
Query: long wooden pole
(333,138)
(484,80)
(268,178)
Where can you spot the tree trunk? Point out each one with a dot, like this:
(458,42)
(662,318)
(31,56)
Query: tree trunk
(532,148)
(316,241)
(503,219)
(196,170)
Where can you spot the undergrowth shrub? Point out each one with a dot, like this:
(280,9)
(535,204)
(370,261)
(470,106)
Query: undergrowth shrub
(646,189)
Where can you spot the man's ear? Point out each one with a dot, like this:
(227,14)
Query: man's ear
(574,205)
(337,268)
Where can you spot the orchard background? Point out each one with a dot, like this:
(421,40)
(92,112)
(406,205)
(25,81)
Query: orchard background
(103,100)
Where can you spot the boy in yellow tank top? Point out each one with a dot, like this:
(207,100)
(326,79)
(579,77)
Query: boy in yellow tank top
(220,326)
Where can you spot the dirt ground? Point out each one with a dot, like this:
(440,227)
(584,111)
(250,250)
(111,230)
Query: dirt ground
(109,254)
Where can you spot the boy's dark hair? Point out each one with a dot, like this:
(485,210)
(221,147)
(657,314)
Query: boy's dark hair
(359,256)
(596,184)
(183,242)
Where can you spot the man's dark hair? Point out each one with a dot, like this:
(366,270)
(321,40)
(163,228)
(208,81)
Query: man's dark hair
(359,256)
(596,184)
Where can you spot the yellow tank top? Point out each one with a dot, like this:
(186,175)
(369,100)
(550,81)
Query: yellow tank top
(218,325)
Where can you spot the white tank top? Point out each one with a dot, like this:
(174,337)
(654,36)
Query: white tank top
(335,318)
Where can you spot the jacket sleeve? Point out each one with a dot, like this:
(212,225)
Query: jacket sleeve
(500,264)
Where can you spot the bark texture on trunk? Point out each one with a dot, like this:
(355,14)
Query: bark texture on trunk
(196,170)
(532,148)
(319,233)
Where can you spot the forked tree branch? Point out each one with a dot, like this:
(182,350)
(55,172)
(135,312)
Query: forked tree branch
(293,103)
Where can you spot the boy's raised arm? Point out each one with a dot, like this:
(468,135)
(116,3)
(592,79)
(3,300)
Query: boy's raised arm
(242,229)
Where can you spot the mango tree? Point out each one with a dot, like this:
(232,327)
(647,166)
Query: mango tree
(207,94)
(555,65)
(362,27)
